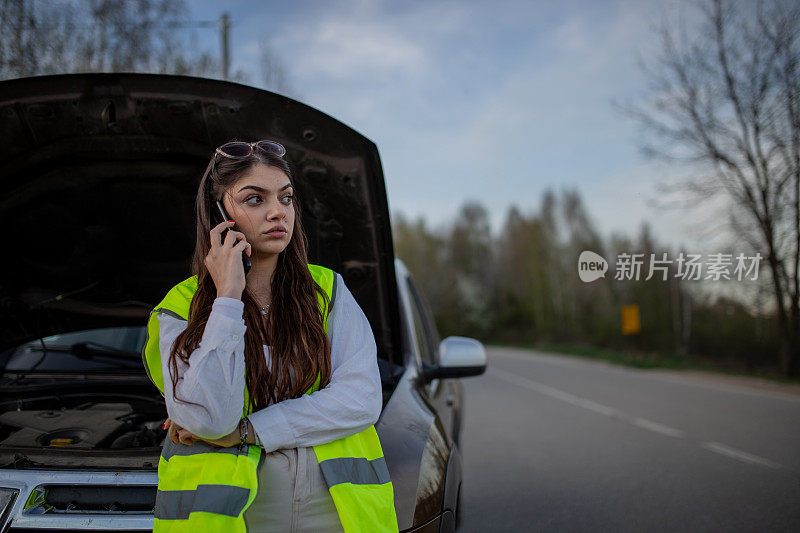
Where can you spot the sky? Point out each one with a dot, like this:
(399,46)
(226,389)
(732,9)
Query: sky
(493,102)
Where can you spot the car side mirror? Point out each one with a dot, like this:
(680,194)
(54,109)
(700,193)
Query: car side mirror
(459,357)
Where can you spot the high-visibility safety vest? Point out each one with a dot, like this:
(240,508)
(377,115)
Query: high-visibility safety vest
(207,488)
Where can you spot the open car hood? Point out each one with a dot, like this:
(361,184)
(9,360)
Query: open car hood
(100,173)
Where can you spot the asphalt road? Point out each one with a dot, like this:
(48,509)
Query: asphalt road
(556,443)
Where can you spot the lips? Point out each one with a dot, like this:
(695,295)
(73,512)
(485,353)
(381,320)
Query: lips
(276,231)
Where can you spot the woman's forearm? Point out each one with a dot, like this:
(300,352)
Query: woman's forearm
(233,438)
(215,373)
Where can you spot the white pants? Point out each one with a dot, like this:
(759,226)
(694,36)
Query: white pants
(292,495)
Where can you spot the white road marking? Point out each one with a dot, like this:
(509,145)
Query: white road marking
(658,428)
(556,359)
(554,393)
(642,423)
(739,455)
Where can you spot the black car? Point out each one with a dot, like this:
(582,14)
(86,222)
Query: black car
(100,174)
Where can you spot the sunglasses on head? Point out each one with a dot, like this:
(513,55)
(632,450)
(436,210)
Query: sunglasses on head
(240,149)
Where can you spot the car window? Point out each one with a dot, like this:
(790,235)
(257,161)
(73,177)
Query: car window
(31,356)
(425,332)
(427,317)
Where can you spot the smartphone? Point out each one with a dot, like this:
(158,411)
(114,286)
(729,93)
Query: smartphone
(219,216)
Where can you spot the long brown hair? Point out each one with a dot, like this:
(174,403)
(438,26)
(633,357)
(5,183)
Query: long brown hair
(293,325)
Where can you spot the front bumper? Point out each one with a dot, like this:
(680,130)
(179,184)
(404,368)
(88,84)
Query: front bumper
(31,509)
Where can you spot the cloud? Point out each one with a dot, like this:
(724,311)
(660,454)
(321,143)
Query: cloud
(560,87)
(251,51)
(467,100)
(345,48)
(548,122)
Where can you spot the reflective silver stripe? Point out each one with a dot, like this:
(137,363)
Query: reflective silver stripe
(170,449)
(144,355)
(170,312)
(333,291)
(355,470)
(331,308)
(218,499)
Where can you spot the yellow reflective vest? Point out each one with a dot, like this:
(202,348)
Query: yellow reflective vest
(207,488)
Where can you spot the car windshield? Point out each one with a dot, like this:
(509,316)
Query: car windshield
(95,350)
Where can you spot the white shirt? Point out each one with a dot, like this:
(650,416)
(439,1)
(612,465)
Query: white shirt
(215,379)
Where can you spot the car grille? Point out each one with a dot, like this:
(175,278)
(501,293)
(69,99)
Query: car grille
(97,498)
(80,500)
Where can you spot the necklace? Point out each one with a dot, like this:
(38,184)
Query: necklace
(264,308)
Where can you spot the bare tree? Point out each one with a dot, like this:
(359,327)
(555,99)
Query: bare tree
(273,72)
(726,99)
(61,36)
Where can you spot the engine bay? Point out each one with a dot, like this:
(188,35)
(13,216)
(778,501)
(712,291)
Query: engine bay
(79,428)
(91,425)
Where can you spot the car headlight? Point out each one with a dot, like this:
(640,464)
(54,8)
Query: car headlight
(7,497)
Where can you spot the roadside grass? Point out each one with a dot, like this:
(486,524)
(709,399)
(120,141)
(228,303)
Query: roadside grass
(652,360)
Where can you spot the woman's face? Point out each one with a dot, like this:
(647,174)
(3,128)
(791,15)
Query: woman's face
(262,199)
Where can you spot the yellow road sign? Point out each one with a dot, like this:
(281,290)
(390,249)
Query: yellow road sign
(631,320)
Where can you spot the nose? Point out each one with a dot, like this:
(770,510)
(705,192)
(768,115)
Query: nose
(276,210)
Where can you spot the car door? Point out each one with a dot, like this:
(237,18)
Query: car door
(442,394)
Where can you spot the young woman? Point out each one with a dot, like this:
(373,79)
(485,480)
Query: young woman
(270,379)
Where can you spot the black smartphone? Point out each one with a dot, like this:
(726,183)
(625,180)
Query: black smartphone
(219,216)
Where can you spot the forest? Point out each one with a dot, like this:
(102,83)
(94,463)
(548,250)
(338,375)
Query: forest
(520,286)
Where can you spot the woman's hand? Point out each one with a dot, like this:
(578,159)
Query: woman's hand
(224,261)
(184,436)
(178,434)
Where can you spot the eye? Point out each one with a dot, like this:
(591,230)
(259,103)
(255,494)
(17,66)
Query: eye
(253,203)
(290,198)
